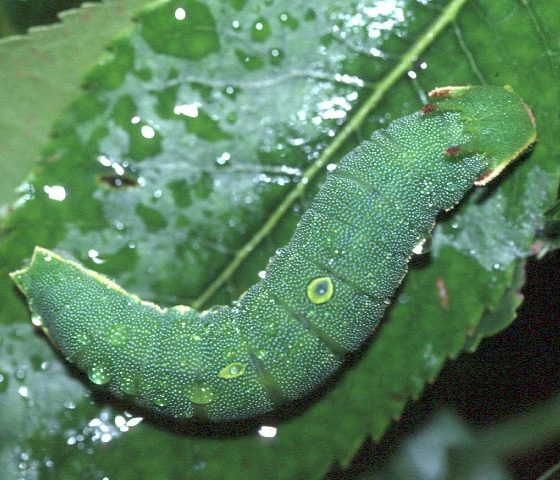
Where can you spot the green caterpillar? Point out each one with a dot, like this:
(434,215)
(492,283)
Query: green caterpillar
(323,293)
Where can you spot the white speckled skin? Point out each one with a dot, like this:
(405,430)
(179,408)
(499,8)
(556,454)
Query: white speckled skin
(281,340)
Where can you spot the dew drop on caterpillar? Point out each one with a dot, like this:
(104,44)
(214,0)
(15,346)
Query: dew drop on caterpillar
(323,293)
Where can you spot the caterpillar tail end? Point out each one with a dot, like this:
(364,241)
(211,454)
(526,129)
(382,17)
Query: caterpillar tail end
(21,277)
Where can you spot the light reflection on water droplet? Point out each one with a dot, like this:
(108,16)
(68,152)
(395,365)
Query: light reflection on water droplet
(37,320)
(3,381)
(180,14)
(23,391)
(223,158)
(147,131)
(267,431)
(94,255)
(102,429)
(55,192)
(423,246)
(187,109)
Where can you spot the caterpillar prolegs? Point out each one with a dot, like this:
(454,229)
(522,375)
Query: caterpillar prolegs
(323,293)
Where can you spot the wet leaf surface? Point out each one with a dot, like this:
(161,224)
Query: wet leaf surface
(180,149)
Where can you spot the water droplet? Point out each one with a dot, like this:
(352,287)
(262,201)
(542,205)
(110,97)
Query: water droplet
(3,381)
(147,131)
(128,385)
(310,15)
(118,335)
(267,431)
(223,158)
(287,20)
(200,394)
(276,56)
(55,192)
(249,61)
(404,298)
(260,30)
(232,370)
(423,246)
(99,375)
(180,14)
(198,466)
(37,320)
(23,391)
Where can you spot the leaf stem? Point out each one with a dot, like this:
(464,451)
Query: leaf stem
(445,18)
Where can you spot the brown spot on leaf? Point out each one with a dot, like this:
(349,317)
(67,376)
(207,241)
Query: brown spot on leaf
(118,181)
(442,293)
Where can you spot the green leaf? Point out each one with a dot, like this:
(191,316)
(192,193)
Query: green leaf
(41,71)
(179,173)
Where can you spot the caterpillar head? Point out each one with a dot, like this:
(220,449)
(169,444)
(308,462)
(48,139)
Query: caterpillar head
(497,119)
